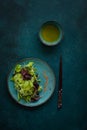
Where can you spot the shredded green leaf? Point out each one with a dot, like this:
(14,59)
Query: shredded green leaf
(25,87)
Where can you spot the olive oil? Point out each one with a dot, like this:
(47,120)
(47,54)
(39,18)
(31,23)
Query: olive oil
(50,33)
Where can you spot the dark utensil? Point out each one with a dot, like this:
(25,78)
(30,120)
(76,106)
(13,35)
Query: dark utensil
(60,85)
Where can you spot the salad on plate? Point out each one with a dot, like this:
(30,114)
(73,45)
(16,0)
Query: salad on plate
(27,82)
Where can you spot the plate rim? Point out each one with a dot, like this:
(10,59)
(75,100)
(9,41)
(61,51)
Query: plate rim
(37,59)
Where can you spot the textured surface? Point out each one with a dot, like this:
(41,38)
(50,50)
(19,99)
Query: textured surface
(20,21)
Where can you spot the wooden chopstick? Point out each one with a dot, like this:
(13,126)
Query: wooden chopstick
(60,85)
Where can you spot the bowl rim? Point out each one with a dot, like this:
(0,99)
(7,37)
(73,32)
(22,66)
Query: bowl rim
(60,29)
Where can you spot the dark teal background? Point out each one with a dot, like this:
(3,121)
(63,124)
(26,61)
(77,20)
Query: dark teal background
(20,21)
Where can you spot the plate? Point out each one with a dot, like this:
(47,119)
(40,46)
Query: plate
(47,77)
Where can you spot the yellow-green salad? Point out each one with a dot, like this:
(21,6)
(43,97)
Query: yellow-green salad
(27,82)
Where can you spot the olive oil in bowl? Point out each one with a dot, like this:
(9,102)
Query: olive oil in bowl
(50,33)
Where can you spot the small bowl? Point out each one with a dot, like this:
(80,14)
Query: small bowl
(47,30)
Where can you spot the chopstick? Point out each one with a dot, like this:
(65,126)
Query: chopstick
(60,85)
